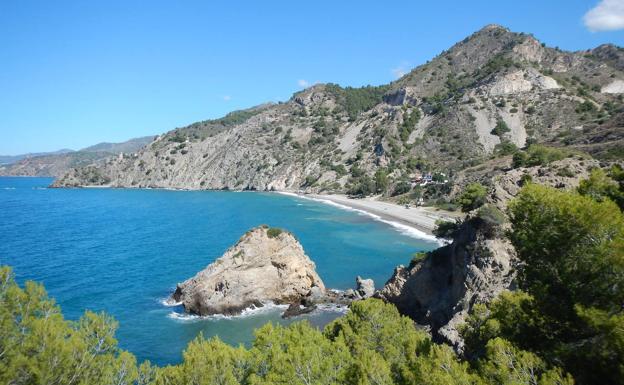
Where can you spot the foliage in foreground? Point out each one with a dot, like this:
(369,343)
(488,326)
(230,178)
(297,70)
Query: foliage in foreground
(372,344)
(569,309)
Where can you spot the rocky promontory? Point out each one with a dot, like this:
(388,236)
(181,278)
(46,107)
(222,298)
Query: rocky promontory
(265,265)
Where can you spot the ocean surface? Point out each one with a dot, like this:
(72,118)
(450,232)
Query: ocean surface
(122,251)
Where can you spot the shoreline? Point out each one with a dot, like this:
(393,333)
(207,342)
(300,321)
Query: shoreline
(421,219)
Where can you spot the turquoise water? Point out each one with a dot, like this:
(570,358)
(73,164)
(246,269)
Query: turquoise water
(123,251)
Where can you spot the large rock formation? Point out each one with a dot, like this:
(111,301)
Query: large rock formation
(265,265)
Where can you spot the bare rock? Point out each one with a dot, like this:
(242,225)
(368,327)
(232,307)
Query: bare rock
(365,287)
(263,266)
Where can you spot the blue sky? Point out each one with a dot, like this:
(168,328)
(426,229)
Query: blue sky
(76,73)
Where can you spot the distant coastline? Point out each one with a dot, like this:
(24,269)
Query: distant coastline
(415,221)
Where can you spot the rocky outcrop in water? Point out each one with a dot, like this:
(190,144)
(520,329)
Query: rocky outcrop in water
(265,265)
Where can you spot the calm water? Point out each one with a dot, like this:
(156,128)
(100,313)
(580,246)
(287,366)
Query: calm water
(123,251)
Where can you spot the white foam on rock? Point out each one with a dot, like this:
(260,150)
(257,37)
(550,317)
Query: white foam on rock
(251,311)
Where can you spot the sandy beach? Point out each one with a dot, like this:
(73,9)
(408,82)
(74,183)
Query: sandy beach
(420,218)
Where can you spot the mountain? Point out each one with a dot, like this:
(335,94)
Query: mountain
(131,145)
(9,159)
(60,162)
(483,98)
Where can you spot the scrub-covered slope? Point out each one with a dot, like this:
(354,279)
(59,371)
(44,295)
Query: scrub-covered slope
(494,91)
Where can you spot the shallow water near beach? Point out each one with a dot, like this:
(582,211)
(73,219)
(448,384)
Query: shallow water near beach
(123,251)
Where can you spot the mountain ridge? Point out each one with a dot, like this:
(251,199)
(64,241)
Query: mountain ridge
(490,92)
(60,162)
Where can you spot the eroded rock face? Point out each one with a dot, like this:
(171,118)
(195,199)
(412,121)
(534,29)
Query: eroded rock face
(439,290)
(262,266)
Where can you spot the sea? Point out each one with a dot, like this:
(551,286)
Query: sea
(122,251)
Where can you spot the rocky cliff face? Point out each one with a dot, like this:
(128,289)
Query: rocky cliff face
(439,117)
(439,290)
(265,265)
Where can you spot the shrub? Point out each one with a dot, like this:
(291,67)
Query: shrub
(274,232)
(446,229)
(505,148)
(540,155)
(601,186)
(473,197)
(362,186)
(401,188)
(381,181)
(491,219)
(501,128)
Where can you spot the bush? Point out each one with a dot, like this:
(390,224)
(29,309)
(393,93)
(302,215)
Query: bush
(402,187)
(505,148)
(492,219)
(600,186)
(473,197)
(446,229)
(362,186)
(500,129)
(381,181)
(540,155)
(274,232)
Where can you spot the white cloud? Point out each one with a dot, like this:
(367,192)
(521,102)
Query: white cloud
(608,15)
(227,98)
(401,70)
(303,83)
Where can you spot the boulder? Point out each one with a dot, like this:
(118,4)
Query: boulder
(265,265)
(365,287)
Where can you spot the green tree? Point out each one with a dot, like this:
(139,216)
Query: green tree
(571,269)
(472,197)
(381,180)
(507,365)
(375,326)
(446,229)
(207,362)
(38,346)
(501,128)
(298,354)
(600,186)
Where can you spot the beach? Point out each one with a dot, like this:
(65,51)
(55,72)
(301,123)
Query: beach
(420,218)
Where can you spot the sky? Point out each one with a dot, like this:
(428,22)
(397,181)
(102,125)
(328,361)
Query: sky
(75,73)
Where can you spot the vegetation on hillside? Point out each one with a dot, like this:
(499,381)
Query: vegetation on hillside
(356,100)
(540,155)
(568,310)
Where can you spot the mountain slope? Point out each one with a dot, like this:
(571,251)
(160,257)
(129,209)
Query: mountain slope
(10,159)
(61,162)
(493,91)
